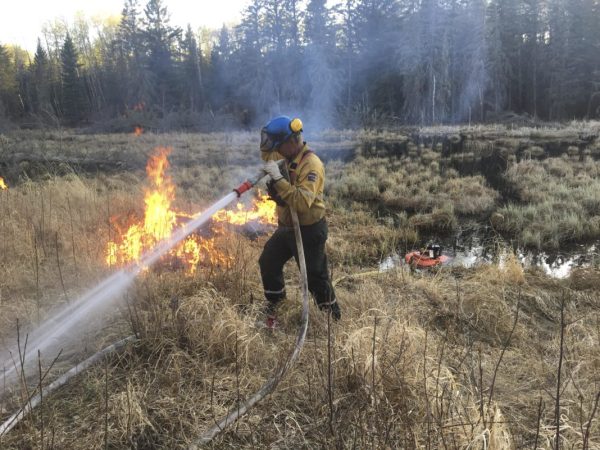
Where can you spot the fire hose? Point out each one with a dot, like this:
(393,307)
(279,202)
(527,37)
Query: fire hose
(13,420)
(239,411)
(273,381)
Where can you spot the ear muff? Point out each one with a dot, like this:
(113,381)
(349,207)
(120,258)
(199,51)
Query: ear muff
(296,125)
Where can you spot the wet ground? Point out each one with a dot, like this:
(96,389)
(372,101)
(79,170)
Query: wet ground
(476,250)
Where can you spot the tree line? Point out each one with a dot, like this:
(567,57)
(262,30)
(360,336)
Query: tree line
(360,62)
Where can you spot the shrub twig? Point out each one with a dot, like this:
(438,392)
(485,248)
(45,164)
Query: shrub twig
(504,347)
(586,437)
(559,371)
(60,274)
(538,422)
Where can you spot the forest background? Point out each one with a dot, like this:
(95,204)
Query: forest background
(350,64)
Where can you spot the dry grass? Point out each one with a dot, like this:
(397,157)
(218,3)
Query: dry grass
(406,367)
(418,360)
(414,185)
(560,202)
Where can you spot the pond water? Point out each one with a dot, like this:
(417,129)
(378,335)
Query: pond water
(476,251)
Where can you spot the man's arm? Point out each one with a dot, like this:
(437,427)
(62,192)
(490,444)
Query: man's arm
(309,183)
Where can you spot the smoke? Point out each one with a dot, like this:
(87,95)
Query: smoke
(475,74)
(324,82)
(441,57)
(309,92)
(373,64)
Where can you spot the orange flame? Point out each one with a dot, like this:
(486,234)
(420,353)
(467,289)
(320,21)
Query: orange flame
(160,221)
(262,211)
(3,185)
(138,131)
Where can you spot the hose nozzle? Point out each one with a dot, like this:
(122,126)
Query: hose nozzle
(250,183)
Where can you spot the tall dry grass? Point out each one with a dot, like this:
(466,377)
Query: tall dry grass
(432,361)
(437,198)
(560,202)
(455,359)
(415,361)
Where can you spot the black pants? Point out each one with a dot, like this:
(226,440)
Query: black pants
(280,248)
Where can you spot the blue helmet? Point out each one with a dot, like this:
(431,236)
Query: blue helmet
(277,131)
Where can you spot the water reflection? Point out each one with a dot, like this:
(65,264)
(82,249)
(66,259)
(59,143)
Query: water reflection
(474,252)
(559,265)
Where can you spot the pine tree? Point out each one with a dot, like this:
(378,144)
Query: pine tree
(419,61)
(252,78)
(294,18)
(41,79)
(160,38)
(556,54)
(507,68)
(109,69)
(421,54)
(8,86)
(581,55)
(349,44)
(73,101)
(466,77)
(318,24)
(135,80)
(222,50)
(530,55)
(219,83)
(128,37)
(276,26)
(593,107)
(192,72)
(24,88)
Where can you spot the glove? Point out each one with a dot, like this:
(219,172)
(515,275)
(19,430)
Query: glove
(272,169)
(273,195)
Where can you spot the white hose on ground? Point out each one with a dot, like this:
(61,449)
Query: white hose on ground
(272,382)
(13,420)
(236,413)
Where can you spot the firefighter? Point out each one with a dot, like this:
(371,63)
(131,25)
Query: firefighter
(301,189)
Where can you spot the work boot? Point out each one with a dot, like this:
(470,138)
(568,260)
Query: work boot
(334,308)
(336,313)
(271,322)
(268,319)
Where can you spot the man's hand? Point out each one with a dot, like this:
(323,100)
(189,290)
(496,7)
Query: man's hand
(273,195)
(272,169)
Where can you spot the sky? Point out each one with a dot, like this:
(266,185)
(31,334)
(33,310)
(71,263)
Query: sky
(21,21)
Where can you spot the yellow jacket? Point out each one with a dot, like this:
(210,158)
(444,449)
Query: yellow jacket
(304,191)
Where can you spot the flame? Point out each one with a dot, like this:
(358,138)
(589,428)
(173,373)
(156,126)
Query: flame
(160,221)
(3,185)
(138,131)
(263,210)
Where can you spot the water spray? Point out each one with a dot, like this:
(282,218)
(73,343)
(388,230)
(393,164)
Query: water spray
(273,381)
(49,334)
(71,321)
